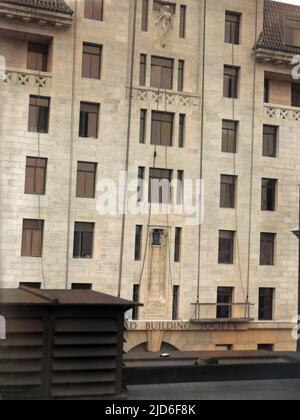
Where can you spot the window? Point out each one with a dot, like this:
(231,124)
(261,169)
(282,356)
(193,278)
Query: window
(157,235)
(162,73)
(32,238)
(91,61)
(266,301)
(268,194)
(181,65)
(181,140)
(93,9)
(141,180)
(86,179)
(228,186)
(158,4)
(178,236)
(145,15)
(265,347)
(143,67)
(267,248)
(175,306)
(232,28)
(37,57)
(270,134)
(267,91)
(229,136)
(231,82)
(143,125)
(182,24)
(138,242)
(180,185)
(162,128)
(296,94)
(224,347)
(224,302)
(31,285)
(226,247)
(38,119)
(160,186)
(292,32)
(89,120)
(82,286)
(35,177)
(83,240)
(135,299)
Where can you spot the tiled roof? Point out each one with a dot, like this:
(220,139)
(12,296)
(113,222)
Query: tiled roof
(272,37)
(50,5)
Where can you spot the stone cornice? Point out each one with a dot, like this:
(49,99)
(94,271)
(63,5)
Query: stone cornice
(273,57)
(30,15)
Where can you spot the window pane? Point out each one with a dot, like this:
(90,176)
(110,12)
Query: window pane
(138,242)
(269,141)
(224,302)
(143,62)
(145,13)
(226,243)
(177,254)
(227,199)
(182,24)
(266,298)
(267,248)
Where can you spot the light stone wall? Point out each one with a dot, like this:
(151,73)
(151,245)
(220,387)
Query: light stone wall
(62,143)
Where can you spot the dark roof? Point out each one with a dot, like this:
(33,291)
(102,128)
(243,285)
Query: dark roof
(272,37)
(27,296)
(50,5)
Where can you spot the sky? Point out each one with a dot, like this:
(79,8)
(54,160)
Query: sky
(290,1)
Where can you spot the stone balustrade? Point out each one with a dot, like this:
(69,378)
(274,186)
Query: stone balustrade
(23,77)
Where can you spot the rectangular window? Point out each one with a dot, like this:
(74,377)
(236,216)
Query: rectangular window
(231,82)
(181,140)
(182,24)
(224,302)
(141,180)
(266,302)
(93,9)
(229,136)
(32,238)
(226,247)
(270,134)
(292,32)
(296,94)
(267,248)
(265,347)
(89,120)
(181,66)
(143,69)
(175,306)
(180,186)
(83,240)
(91,61)
(37,57)
(162,128)
(158,4)
(268,194)
(178,236)
(160,186)
(232,28)
(31,285)
(162,73)
(143,125)
(135,299)
(86,179)
(82,286)
(138,242)
(145,15)
(38,118)
(35,177)
(228,187)
(267,91)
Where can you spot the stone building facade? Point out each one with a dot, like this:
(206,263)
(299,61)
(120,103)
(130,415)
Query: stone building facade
(93,89)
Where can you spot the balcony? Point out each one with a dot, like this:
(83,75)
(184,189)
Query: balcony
(281,113)
(153,97)
(23,77)
(206,313)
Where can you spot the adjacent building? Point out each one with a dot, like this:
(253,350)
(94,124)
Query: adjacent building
(177,91)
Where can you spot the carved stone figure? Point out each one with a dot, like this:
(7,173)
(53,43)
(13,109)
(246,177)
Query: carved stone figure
(165,22)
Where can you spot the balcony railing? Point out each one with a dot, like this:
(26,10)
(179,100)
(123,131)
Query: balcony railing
(280,112)
(24,77)
(207,312)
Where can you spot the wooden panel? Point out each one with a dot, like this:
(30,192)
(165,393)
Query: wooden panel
(80,339)
(20,379)
(89,325)
(87,351)
(100,390)
(63,365)
(83,377)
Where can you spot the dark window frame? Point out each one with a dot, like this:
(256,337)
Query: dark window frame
(231,82)
(175,302)
(268,194)
(182,21)
(181,75)
(35,229)
(143,69)
(93,54)
(232,28)
(145,16)
(226,247)
(229,136)
(94,10)
(37,56)
(162,73)
(159,178)
(225,296)
(85,171)
(267,249)
(38,166)
(84,233)
(162,123)
(228,191)
(89,115)
(138,242)
(178,245)
(266,304)
(270,140)
(39,114)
